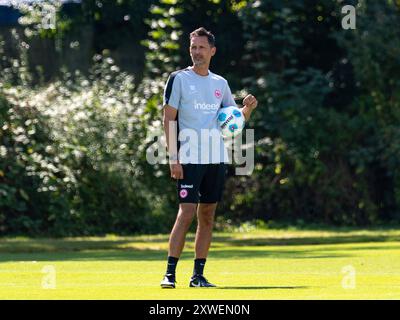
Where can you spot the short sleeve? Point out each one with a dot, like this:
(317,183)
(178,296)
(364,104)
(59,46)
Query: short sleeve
(172,91)
(227,99)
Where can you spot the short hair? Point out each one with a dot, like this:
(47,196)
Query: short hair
(202,32)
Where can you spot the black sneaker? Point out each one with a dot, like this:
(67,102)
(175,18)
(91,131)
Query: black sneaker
(168,281)
(199,280)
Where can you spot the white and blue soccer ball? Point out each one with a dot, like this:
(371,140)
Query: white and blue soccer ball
(231,121)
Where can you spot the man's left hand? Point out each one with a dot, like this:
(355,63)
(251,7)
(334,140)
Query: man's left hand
(250,101)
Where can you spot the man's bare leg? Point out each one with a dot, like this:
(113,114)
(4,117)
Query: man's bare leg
(177,237)
(205,222)
(205,219)
(182,223)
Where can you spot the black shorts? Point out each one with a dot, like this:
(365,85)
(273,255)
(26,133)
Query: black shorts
(202,183)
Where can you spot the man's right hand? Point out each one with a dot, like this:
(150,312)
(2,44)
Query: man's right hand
(176,171)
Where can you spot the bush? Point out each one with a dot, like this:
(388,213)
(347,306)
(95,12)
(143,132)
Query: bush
(74,158)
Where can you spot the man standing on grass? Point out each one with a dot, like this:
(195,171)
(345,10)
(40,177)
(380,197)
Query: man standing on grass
(192,99)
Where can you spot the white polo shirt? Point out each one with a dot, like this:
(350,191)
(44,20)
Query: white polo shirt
(198,99)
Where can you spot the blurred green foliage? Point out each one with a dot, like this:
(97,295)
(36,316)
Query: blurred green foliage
(330,103)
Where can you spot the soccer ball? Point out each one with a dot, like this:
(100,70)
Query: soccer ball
(231,121)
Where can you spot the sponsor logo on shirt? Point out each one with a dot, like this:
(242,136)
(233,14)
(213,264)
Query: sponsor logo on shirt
(218,94)
(206,106)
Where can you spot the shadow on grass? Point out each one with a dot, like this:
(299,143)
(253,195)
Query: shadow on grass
(53,245)
(261,287)
(146,248)
(336,239)
(160,255)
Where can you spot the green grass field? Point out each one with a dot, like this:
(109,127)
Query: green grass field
(264,264)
